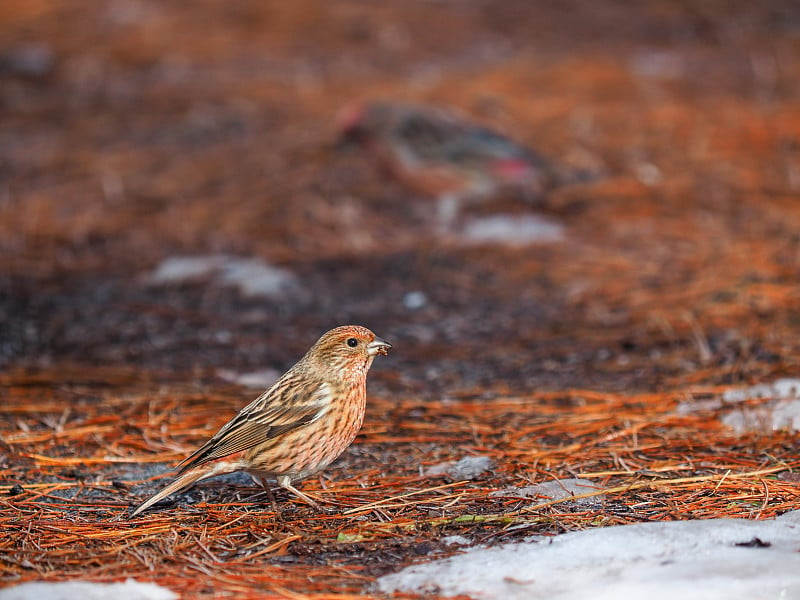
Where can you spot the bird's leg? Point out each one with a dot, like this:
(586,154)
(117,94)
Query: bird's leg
(286,483)
(265,484)
(448,207)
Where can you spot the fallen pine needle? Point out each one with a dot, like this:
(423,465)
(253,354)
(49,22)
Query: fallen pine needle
(371,505)
(657,483)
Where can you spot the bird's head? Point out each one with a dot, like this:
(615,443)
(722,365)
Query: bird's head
(351,123)
(348,350)
(360,122)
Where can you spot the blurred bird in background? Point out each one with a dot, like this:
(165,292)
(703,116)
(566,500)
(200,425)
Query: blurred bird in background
(436,152)
(299,425)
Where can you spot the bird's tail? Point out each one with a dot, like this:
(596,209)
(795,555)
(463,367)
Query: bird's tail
(186,480)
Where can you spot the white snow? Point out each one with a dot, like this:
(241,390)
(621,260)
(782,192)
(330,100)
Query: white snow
(771,416)
(690,560)
(252,379)
(455,540)
(512,230)
(778,389)
(85,590)
(779,409)
(179,269)
(251,276)
(256,278)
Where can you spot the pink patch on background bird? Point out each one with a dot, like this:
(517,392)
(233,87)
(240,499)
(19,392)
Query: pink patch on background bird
(350,117)
(512,169)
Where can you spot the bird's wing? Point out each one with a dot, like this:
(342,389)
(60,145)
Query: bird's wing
(442,136)
(281,408)
(423,136)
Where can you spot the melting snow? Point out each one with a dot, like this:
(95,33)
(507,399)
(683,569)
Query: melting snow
(253,379)
(253,277)
(85,590)
(715,559)
(512,230)
(780,408)
(780,389)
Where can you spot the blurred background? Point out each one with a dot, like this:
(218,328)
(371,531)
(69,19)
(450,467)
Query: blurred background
(173,198)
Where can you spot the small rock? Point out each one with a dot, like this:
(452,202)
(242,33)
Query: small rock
(415,300)
(769,417)
(648,174)
(180,269)
(252,277)
(553,490)
(439,469)
(455,540)
(254,379)
(33,59)
(469,467)
(778,389)
(780,409)
(256,278)
(512,230)
(422,549)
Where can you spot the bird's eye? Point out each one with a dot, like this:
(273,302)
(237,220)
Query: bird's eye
(352,342)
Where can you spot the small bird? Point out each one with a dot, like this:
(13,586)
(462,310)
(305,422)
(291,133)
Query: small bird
(435,152)
(296,427)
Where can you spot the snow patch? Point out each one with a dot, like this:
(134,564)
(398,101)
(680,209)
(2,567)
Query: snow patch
(455,540)
(779,409)
(768,417)
(512,230)
(251,276)
(85,590)
(253,379)
(778,389)
(715,559)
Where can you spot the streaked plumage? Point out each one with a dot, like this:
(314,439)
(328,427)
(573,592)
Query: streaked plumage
(433,151)
(298,426)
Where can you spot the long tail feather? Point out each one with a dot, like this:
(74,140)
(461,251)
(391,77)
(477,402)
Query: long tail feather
(184,481)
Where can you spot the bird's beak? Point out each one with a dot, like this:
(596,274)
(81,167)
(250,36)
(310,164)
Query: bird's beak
(378,346)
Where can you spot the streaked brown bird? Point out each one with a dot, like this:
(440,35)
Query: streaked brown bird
(296,427)
(433,151)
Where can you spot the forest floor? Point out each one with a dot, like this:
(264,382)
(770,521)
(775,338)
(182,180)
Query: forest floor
(134,131)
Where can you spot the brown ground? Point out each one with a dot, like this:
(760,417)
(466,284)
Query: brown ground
(139,130)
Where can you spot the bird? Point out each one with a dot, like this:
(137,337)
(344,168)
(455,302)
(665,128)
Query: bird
(435,152)
(298,426)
